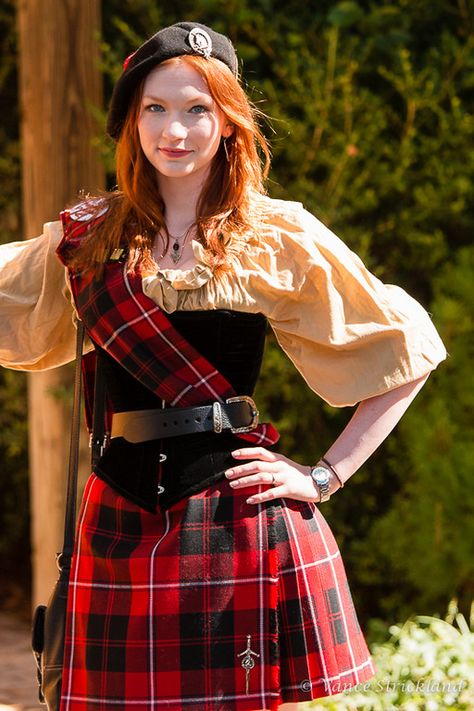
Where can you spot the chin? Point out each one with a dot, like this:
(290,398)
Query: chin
(181,173)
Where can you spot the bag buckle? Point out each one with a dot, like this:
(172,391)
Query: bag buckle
(253,410)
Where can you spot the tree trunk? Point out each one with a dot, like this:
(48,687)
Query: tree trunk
(60,81)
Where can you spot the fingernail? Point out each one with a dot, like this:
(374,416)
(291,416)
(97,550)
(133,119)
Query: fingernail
(236,453)
(229,473)
(250,501)
(233,483)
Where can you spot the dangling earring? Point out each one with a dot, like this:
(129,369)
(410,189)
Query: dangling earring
(224,141)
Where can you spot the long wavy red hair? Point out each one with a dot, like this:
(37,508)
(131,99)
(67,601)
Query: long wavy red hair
(135,211)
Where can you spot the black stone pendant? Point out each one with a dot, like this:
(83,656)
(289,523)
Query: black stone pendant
(175,252)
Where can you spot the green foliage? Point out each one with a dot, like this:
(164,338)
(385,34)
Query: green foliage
(427,664)
(433,512)
(9,128)
(371,122)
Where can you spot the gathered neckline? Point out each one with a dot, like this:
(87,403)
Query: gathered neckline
(192,278)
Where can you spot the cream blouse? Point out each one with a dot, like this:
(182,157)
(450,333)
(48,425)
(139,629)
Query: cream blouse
(349,335)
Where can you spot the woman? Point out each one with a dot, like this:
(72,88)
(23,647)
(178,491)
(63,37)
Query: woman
(205,576)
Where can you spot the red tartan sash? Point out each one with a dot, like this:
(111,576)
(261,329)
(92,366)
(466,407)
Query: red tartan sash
(135,331)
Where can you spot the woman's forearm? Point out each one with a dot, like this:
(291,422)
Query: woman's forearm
(371,423)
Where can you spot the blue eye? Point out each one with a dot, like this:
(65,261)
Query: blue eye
(199,109)
(154,108)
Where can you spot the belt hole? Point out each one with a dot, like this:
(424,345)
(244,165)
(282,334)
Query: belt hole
(197,419)
(165,424)
(175,422)
(186,422)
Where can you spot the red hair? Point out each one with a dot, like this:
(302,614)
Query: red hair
(136,210)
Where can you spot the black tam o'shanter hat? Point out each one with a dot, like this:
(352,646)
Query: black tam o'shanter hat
(174,41)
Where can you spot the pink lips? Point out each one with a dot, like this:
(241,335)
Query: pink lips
(174,152)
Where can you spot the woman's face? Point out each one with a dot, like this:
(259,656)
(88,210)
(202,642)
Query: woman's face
(180,126)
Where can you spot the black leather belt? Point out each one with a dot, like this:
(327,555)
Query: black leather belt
(237,414)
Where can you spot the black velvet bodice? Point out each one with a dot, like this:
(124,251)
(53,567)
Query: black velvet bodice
(231,341)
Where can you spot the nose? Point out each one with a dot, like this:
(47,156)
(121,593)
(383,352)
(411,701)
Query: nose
(174,129)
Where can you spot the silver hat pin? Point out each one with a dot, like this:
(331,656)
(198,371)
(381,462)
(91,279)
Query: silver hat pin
(200,42)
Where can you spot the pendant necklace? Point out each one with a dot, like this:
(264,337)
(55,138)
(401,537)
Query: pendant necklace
(177,248)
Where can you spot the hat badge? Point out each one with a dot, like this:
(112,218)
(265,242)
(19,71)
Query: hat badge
(200,42)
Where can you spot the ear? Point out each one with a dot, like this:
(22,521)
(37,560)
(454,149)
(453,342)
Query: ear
(228,130)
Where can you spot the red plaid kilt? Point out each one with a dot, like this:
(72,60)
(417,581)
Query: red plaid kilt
(161,605)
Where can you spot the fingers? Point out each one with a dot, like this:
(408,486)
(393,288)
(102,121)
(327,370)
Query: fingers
(263,478)
(266,478)
(276,492)
(261,471)
(263,461)
(281,476)
(252,468)
(255,453)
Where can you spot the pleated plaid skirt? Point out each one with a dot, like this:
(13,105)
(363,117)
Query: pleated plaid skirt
(212,605)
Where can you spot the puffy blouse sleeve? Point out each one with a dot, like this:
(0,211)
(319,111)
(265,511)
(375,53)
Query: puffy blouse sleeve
(37,330)
(350,335)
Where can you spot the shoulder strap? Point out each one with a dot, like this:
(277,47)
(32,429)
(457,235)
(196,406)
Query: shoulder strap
(64,558)
(97,444)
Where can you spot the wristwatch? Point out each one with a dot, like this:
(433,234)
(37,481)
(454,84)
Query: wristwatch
(321,476)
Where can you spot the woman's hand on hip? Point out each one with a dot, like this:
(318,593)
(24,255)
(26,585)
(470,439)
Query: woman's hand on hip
(283,476)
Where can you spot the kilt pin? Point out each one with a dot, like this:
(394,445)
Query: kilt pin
(211,604)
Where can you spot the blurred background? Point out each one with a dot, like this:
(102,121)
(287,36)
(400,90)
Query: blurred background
(370,117)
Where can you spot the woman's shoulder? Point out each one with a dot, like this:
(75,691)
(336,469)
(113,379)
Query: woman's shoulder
(288,229)
(86,210)
(77,222)
(289,217)
(274,210)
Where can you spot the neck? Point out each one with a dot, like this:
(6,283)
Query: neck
(181,197)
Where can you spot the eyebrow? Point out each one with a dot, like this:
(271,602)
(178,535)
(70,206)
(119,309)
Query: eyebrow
(197,97)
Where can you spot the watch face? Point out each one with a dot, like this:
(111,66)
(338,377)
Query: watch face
(320,475)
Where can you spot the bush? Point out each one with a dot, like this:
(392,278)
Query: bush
(427,664)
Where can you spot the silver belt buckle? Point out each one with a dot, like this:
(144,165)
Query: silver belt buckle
(254,411)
